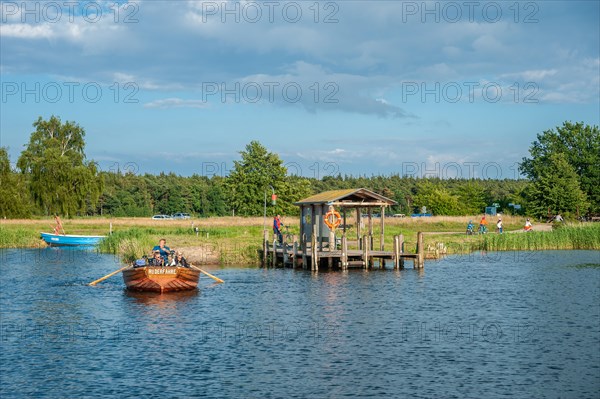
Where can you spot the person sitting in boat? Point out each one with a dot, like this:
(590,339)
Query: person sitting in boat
(179,260)
(156,260)
(163,249)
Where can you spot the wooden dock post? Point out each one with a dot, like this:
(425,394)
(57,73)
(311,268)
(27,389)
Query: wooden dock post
(370,220)
(284,253)
(274,260)
(304,250)
(382,232)
(331,240)
(365,253)
(420,260)
(344,258)
(396,252)
(314,261)
(358,222)
(295,259)
(265,248)
(401,247)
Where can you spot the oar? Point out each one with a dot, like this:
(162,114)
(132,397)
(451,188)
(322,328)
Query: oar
(109,275)
(208,274)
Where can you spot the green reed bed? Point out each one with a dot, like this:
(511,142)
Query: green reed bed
(130,244)
(232,244)
(18,238)
(576,236)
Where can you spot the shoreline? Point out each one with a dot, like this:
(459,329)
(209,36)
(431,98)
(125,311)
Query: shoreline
(237,241)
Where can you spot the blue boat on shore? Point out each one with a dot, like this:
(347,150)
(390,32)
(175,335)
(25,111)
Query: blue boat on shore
(58,240)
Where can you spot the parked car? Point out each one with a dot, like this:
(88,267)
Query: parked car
(161,217)
(181,216)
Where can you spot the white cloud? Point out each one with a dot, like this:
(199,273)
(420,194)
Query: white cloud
(531,75)
(488,44)
(175,103)
(367,53)
(26,31)
(325,90)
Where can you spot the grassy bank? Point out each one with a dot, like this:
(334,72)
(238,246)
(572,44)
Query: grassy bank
(576,236)
(225,240)
(234,240)
(18,237)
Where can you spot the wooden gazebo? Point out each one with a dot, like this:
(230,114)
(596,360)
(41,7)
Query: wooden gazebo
(350,201)
(319,245)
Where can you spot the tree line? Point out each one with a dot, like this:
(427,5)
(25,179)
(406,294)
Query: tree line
(53,176)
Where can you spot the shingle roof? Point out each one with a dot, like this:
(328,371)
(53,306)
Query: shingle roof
(353,195)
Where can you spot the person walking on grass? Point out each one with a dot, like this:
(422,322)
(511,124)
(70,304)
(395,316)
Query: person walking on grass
(499,225)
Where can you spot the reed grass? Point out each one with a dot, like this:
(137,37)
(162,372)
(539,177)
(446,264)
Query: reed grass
(130,244)
(574,236)
(225,245)
(18,238)
(236,240)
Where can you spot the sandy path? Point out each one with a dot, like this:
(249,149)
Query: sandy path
(536,227)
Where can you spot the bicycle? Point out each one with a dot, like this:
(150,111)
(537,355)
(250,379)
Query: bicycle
(287,236)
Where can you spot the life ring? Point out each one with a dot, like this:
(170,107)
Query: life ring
(333,219)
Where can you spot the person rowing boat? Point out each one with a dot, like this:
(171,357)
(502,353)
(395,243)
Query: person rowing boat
(163,250)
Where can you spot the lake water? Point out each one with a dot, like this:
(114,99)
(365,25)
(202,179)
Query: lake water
(513,324)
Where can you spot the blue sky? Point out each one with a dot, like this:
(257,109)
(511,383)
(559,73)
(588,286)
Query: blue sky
(353,87)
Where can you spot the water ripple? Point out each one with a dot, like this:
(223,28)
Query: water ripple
(515,325)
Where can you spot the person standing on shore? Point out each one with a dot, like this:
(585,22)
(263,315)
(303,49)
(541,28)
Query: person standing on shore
(499,226)
(528,226)
(277,223)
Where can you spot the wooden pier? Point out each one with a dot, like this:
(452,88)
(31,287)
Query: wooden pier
(324,235)
(308,257)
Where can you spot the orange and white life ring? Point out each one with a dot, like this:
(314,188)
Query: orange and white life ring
(333,219)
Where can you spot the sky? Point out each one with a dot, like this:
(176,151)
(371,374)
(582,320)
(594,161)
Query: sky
(444,89)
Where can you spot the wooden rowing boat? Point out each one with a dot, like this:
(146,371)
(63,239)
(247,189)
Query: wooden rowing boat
(161,279)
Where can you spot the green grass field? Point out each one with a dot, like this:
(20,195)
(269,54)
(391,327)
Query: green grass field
(235,240)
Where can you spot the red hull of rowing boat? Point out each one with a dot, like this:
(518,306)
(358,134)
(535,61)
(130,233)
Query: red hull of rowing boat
(161,279)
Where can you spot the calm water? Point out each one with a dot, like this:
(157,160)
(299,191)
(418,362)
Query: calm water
(502,325)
